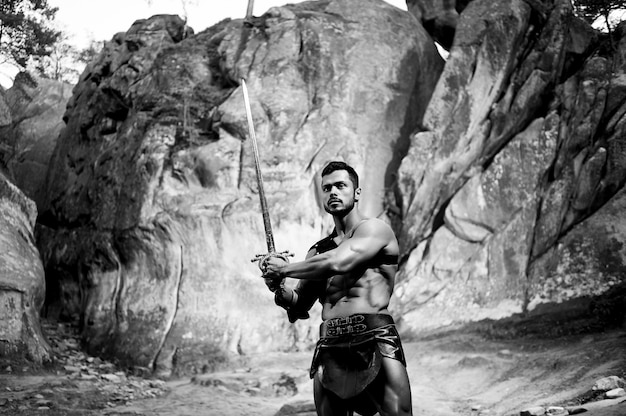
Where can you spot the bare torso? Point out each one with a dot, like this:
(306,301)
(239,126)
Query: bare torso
(366,290)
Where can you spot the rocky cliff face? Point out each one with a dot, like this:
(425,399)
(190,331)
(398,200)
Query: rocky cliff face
(28,139)
(152,214)
(510,198)
(22,283)
(503,175)
(439,17)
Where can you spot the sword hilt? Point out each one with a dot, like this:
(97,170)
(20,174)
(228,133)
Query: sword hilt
(273,284)
(263,258)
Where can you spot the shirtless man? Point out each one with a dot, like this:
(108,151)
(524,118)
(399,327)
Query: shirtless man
(358,364)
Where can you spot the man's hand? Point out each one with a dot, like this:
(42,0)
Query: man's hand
(271,267)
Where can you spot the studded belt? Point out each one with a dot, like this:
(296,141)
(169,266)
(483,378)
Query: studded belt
(353,324)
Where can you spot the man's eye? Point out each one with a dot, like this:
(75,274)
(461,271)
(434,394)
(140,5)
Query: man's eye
(326,189)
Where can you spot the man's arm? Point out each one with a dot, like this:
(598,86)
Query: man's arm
(368,240)
(299,300)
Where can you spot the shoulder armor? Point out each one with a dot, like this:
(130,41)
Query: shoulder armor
(325,244)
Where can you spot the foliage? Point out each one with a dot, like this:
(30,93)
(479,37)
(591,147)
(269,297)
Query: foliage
(26,31)
(90,52)
(65,62)
(59,65)
(592,10)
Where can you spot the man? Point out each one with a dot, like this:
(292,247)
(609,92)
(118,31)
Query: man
(359,363)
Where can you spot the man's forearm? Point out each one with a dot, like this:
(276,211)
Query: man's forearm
(314,268)
(288,299)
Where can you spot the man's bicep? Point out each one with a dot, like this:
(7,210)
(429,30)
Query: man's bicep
(367,241)
(310,253)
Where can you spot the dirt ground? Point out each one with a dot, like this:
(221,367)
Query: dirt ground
(457,373)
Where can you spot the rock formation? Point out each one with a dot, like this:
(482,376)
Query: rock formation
(510,198)
(503,175)
(5,113)
(152,215)
(439,17)
(29,139)
(22,283)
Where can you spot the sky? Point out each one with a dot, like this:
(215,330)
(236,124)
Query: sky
(84,21)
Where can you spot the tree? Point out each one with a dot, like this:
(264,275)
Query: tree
(26,31)
(59,65)
(592,10)
(89,53)
(66,62)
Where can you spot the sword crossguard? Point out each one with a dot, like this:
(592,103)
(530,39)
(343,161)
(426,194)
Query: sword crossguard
(264,258)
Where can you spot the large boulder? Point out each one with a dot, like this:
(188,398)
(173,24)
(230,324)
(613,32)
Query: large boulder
(5,112)
(588,260)
(29,138)
(22,283)
(152,211)
(525,140)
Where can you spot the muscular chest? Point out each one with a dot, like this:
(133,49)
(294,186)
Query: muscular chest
(339,284)
(352,286)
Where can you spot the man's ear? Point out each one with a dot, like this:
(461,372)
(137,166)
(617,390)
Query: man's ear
(357,194)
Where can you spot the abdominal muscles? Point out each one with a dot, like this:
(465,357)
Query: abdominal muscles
(347,295)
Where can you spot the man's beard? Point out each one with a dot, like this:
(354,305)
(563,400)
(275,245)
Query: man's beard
(340,212)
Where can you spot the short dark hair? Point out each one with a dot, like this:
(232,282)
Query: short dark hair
(338,165)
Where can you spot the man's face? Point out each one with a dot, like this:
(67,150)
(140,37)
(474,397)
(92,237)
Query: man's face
(338,193)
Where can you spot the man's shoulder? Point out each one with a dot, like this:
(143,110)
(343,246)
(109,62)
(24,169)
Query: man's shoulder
(381,231)
(325,244)
(377,221)
(373,225)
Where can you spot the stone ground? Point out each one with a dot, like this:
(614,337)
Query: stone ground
(458,373)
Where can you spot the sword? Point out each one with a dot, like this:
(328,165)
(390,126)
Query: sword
(267,224)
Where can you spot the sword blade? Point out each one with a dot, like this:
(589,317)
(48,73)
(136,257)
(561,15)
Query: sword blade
(269,236)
